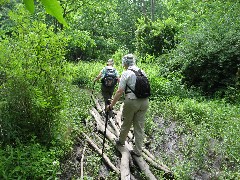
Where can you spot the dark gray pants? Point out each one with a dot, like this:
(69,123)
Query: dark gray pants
(107,93)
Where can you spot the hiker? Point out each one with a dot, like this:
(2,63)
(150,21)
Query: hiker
(109,78)
(134,108)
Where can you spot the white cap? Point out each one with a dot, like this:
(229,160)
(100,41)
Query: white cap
(110,62)
(128,59)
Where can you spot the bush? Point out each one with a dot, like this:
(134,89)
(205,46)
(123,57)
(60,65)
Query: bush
(80,45)
(208,56)
(213,64)
(156,38)
(33,90)
(31,161)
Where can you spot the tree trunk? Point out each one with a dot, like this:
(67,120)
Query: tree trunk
(152,9)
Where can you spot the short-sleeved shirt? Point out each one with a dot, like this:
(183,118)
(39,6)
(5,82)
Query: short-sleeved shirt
(129,78)
(104,70)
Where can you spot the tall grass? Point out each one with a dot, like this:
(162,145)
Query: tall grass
(211,129)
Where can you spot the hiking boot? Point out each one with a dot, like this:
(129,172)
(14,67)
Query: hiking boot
(134,154)
(118,143)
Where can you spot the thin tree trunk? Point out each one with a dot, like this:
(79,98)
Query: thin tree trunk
(152,9)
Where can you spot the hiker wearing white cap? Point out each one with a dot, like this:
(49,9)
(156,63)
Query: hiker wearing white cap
(134,108)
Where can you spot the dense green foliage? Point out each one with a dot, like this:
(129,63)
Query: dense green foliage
(209,129)
(188,48)
(208,56)
(31,161)
(34,71)
(156,38)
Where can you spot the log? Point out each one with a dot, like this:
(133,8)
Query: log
(144,167)
(101,126)
(125,161)
(148,153)
(117,132)
(99,151)
(142,164)
(152,160)
(84,148)
(155,165)
(78,156)
(101,141)
(132,177)
(98,106)
(124,167)
(99,121)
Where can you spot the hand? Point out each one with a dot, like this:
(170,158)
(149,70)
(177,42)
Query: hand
(108,108)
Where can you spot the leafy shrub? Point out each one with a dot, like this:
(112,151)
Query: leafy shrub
(164,87)
(208,56)
(156,38)
(213,65)
(31,161)
(32,60)
(85,72)
(80,45)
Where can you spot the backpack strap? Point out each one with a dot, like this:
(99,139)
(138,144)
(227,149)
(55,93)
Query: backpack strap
(129,88)
(137,73)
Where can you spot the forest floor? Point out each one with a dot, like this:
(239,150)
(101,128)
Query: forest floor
(165,143)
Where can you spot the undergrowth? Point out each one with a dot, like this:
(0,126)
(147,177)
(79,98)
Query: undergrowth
(210,129)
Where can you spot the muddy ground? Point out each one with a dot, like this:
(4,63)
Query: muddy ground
(166,143)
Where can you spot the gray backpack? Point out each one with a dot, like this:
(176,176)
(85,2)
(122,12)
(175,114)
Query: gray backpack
(110,77)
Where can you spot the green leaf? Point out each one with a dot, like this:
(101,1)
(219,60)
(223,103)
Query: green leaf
(53,8)
(29,5)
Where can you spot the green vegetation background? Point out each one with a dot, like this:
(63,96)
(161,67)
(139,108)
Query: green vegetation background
(189,49)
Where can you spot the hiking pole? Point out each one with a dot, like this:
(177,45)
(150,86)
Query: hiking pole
(93,87)
(92,96)
(105,130)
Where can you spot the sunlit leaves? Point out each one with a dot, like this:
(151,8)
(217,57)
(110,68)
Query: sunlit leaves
(4,2)
(29,5)
(53,8)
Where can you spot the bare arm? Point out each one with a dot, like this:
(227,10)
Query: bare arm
(98,77)
(116,98)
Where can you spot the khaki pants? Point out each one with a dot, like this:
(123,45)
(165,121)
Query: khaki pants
(134,111)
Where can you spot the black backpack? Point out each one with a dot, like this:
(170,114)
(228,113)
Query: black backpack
(110,78)
(142,86)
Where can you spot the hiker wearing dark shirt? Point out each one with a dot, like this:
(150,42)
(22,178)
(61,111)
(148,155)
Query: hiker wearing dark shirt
(109,77)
